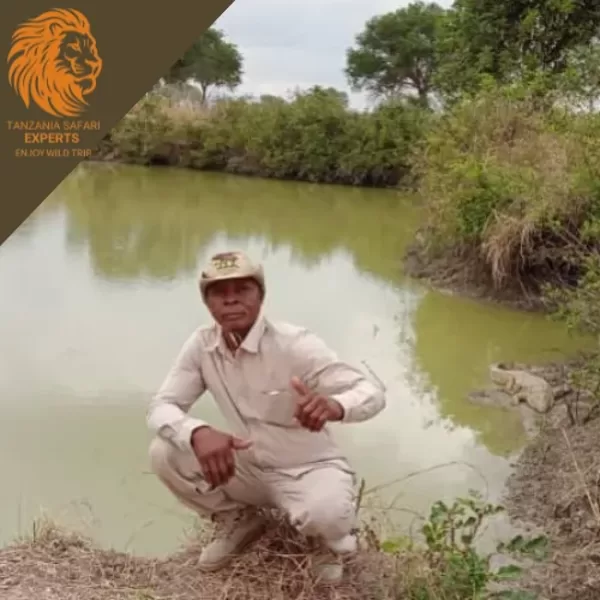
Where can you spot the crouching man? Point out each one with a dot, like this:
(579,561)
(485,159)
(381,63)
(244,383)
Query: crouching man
(278,386)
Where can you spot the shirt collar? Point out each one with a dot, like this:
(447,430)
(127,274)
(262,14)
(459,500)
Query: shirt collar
(250,343)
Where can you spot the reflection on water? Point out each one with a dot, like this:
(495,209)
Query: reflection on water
(183,214)
(99,292)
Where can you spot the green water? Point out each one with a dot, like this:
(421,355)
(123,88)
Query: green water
(99,292)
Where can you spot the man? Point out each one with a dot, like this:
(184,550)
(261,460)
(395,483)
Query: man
(278,386)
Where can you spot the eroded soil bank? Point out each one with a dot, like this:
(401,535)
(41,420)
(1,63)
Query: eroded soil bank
(461,272)
(556,489)
(555,486)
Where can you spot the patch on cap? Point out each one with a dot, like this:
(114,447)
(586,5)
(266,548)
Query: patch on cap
(226,263)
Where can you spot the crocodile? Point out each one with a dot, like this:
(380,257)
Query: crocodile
(522,386)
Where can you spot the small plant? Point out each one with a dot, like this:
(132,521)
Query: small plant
(454,570)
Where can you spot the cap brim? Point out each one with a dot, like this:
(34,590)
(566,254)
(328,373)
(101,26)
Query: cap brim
(204,283)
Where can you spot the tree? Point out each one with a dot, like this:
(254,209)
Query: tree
(509,40)
(210,62)
(396,53)
(329,92)
(581,79)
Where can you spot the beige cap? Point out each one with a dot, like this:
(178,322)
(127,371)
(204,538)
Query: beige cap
(230,265)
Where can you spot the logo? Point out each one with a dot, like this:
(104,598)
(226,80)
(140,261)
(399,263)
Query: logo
(226,261)
(54,63)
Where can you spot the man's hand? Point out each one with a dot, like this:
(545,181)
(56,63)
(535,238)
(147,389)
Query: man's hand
(314,410)
(215,453)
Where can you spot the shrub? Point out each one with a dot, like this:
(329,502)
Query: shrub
(510,183)
(312,137)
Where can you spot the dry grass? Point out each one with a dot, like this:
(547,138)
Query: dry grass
(557,487)
(52,564)
(544,166)
(185,115)
(170,115)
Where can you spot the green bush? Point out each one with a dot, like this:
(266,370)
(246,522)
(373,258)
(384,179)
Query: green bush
(509,183)
(313,137)
(448,566)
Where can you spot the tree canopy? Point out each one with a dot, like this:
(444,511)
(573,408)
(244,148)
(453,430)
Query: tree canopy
(210,62)
(511,39)
(426,50)
(396,52)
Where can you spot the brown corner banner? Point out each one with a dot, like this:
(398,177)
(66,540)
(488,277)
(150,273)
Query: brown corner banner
(69,73)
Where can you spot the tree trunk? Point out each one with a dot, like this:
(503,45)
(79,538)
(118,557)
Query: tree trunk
(423,96)
(203,92)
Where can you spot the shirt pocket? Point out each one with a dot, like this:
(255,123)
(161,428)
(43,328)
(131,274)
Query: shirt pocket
(276,406)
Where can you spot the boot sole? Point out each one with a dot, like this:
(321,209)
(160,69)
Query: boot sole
(217,566)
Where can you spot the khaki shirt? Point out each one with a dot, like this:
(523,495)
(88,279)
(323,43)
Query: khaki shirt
(252,389)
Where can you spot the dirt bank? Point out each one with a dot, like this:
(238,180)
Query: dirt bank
(461,272)
(556,488)
(54,565)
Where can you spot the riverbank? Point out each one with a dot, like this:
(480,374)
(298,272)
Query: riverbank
(555,488)
(314,137)
(509,190)
(53,564)
(460,271)
(58,565)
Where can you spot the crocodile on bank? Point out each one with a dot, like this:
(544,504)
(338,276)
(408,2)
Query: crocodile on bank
(523,386)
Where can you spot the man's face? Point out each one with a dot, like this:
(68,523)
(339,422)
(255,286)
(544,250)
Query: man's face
(234,303)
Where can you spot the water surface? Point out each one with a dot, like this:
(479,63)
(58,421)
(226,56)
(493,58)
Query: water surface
(99,292)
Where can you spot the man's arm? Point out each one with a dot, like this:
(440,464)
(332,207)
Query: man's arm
(167,414)
(322,371)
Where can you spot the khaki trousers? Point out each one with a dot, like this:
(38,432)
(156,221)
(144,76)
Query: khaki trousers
(318,500)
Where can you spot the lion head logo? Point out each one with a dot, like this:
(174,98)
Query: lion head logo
(53,62)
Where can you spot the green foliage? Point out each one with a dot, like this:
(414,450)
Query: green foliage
(510,180)
(143,128)
(211,62)
(580,81)
(511,40)
(396,52)
(578,305)
(454,569)
(313,137)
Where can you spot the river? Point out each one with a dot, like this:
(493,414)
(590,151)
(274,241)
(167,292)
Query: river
(99,292)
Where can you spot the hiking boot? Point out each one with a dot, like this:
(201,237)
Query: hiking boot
(328,567)
(328,564)
(234,531)
(347,546)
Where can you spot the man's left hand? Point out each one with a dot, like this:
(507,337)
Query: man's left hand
(314,410)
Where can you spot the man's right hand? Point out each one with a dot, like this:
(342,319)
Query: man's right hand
(215,452)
